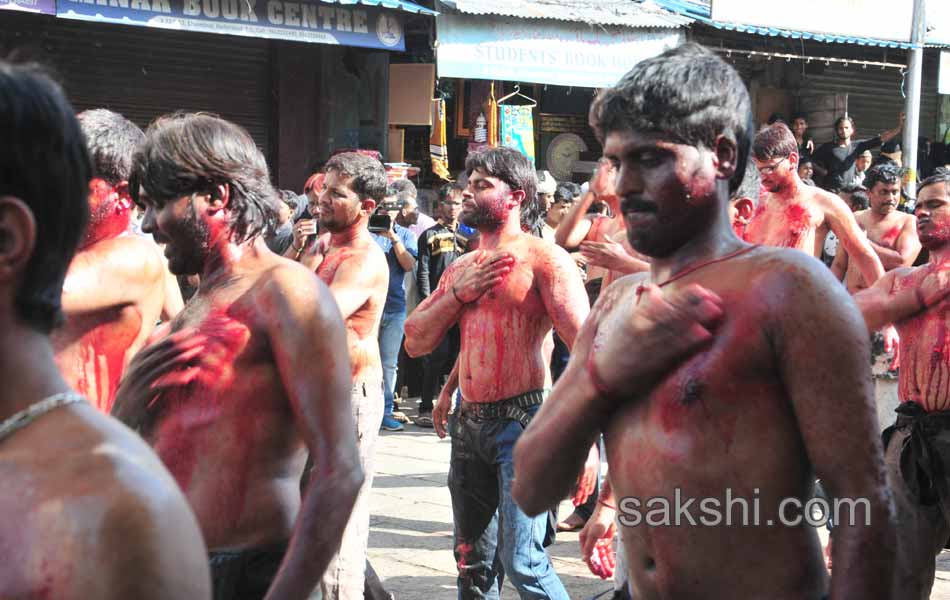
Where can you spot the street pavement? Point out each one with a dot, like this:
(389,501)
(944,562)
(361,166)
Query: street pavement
(410,544)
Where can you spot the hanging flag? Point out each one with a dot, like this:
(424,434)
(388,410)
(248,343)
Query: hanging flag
(438,150)
(492,117)
(517,129)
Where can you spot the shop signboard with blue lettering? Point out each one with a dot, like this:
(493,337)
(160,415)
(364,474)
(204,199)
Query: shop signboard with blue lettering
(293,20)
(46,7)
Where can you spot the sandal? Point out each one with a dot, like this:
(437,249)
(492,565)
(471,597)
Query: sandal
(424,421)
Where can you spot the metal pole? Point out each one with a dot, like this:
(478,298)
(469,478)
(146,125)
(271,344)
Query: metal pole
(915,62)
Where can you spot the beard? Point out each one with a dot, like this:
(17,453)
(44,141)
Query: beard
(186,255)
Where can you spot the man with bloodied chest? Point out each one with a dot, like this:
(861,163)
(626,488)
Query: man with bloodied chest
(505,297)
(728,371)
(248,379)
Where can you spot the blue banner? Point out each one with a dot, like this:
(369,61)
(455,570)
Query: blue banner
(296,21)
(517,129)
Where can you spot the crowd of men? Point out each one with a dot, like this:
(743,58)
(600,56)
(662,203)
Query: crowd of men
(217,438)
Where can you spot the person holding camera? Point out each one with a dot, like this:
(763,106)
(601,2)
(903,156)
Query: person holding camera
(400,246)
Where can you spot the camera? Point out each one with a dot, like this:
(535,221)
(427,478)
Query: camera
(380,223)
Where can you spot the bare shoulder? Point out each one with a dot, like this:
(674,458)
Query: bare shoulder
(288,282)
(102,477)
(622,290)
(133,250)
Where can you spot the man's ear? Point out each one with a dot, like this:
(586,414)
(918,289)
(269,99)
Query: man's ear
(17,237)
(368,205)
(125,198)
(793,160)
(516,198)
(219,197)
(725,155)
(744,210)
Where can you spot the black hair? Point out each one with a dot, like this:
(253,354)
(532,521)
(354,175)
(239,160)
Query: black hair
(851,188)
(289,197)
(775,118)
(796,116)
(860,200)
(45,163)
(941,175)
(774,141)
(187,153)
(883,173)
(567,190)
(512,167)
(112,141)
(404,185)
(841,120)
(447,190)
(805,160)
(688,94)
(368,177)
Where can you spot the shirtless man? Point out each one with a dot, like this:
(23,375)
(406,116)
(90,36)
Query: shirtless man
(729,371)
(115,287)
(505,297)
(795,215)
(90,512)
(601,240)
(892,233)
(349,260)
(915,300)
(248,377)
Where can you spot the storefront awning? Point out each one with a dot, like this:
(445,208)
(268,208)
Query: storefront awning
(700,11)
(364,23)
(544,50)
(624,13)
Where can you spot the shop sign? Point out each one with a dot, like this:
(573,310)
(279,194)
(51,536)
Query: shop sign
(46,7)
(297,21)
(539,51)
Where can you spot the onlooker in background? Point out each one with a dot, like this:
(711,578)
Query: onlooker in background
(439,247)
(806,170)
(855,196)
(280,238)
(547,185)
(861,164)
(400,247)
(410,216)
(799,127)
(564,196)
(835,160)
(891,151)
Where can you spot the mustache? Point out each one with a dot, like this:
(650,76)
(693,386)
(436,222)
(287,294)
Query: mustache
(636,204)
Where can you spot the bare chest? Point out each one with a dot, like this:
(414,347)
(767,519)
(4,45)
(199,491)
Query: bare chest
(884,232)
(791,226)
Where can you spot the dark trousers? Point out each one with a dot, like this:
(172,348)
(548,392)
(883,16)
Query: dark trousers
(436,366)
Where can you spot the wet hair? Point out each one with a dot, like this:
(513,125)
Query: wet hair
(45,163)
(687,94)
(404,185)
(841,120)
(112,141)
(860,200)
(774,141)
(567,191)
(882,173)
(368,177)
(941,175)
(187,153)
(512,167)
(447,190)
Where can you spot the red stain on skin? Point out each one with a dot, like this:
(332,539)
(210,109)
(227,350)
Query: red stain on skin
(925,353)
(798,220)
(891,236)
(110,215)
(101,355)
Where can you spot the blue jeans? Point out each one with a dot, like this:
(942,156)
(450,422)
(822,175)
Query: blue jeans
(390,339)
(493,536)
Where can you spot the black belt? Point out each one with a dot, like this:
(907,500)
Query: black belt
(514,408)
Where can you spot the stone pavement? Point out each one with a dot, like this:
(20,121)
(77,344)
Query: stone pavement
(411,526)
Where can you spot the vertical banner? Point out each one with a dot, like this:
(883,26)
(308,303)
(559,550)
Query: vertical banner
(517,129)
(438,150)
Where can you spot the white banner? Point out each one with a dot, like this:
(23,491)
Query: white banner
(879,19)
(540,51)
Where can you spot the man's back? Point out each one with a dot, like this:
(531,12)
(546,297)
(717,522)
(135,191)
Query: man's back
(97,515)
(97,341)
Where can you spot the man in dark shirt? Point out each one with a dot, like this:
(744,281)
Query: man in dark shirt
(439,246)
(835,160)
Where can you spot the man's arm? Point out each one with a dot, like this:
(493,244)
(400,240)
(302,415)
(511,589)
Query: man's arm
(839,266)
(851,237)
(115,272)
(574,227)
(462,283)
(881,305)
(306,333)
(422,273)
(563,293)
(353,283)
(821,349)
(890,134)
(907,247)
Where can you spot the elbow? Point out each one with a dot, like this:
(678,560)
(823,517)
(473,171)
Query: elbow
(526,489)
(416,345)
